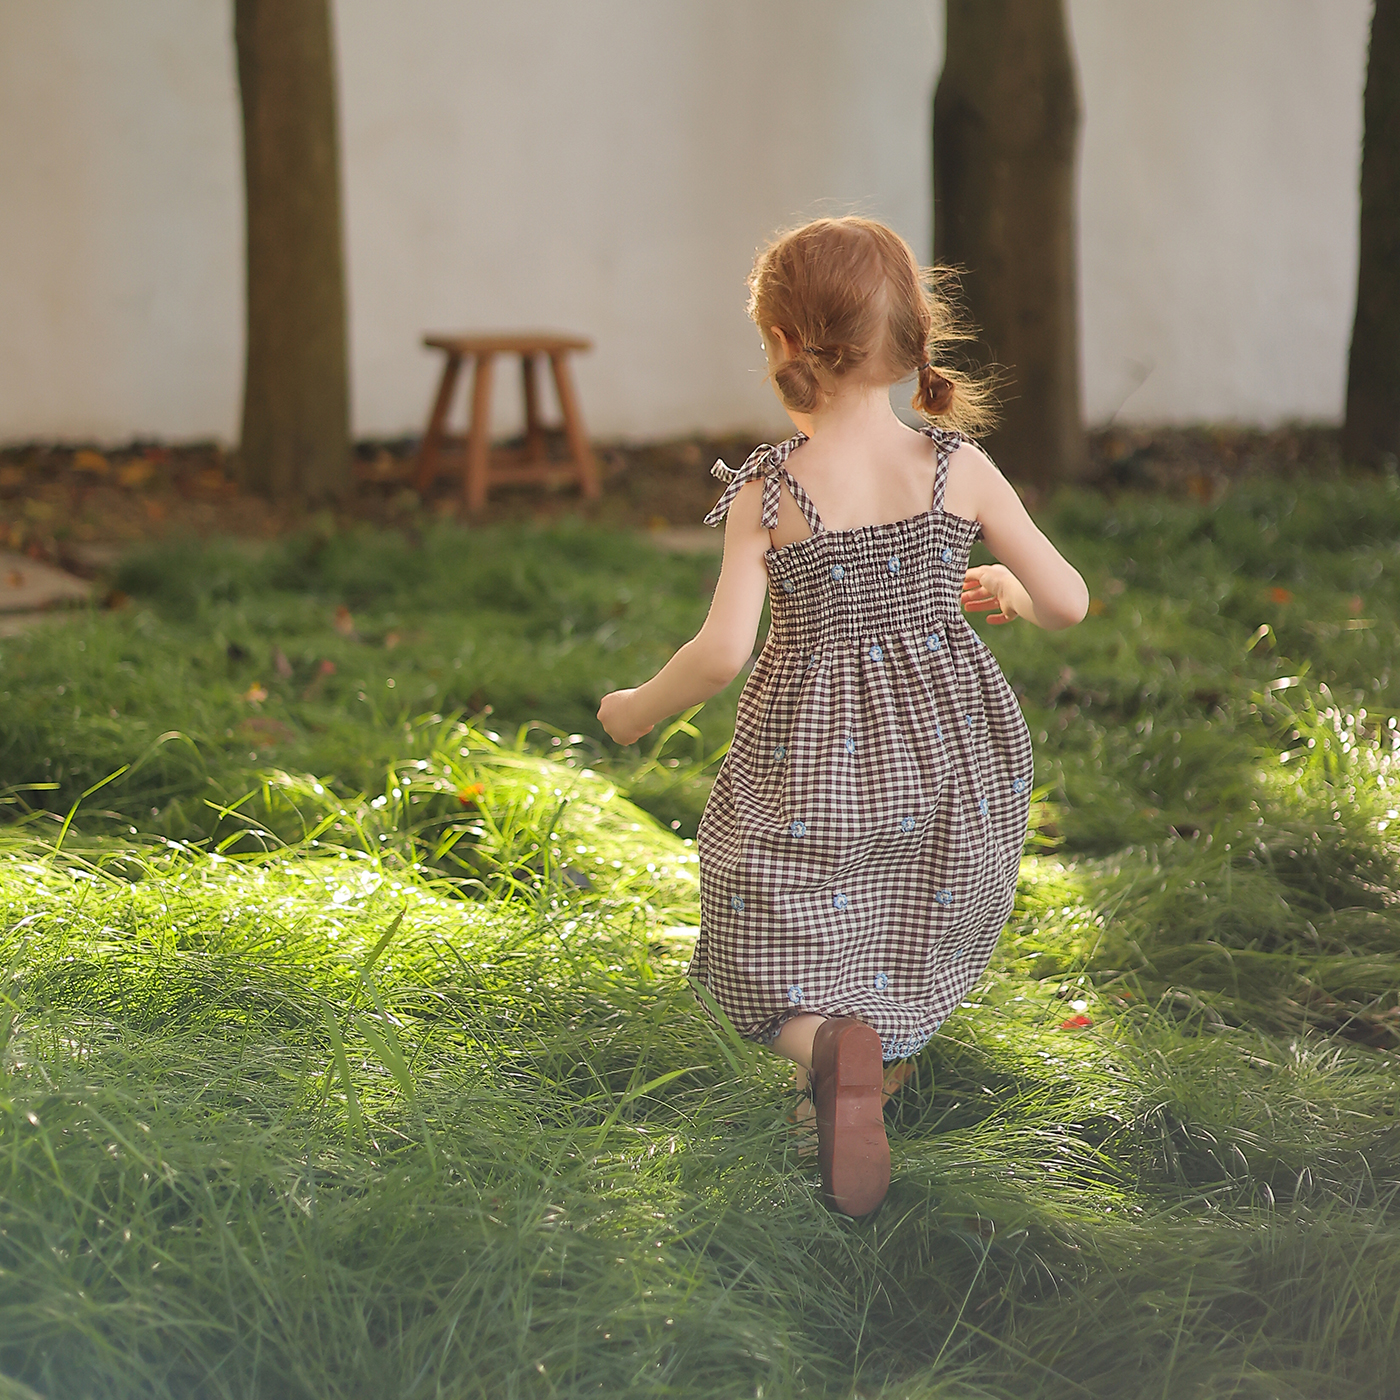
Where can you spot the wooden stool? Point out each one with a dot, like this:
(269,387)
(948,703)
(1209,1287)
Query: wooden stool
(531,465)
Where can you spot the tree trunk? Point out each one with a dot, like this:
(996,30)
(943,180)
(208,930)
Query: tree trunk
(1372,431)
(1005,140)
(296,397)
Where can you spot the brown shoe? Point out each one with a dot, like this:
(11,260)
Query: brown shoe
(848,1074)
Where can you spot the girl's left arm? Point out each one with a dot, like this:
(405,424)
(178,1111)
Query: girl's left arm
(717,653)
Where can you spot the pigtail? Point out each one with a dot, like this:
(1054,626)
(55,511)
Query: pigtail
(935,393)
(799,381)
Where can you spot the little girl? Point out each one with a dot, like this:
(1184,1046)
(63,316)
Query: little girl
(859,851)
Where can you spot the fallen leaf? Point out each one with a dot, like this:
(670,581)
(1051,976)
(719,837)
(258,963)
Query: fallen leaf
(326,668)
(1281,596)
(1076,1023)
(391,640)
(255,694)
(10,476)
(280,664)
(1097,607)
(94,462)
(135,474)
(15,579)
(344,622)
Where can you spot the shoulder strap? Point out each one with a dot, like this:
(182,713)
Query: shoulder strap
(767,461)
(946,443)
(804,501)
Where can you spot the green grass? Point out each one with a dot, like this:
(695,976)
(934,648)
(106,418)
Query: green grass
(345,1047)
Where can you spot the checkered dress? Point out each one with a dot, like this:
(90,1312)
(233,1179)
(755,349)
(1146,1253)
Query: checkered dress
(859,851)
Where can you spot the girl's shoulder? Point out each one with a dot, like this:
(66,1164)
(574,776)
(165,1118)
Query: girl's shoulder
(974,482)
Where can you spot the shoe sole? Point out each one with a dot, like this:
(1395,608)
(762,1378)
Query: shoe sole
(852,1148)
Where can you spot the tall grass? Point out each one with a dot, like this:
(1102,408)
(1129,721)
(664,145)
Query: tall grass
(345,1047)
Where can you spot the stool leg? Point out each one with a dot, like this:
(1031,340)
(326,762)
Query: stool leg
(579,449)
(534,431)
(479,436)
(432,439)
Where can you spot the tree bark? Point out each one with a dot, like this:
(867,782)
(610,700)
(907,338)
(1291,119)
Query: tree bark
(1372,431)
(1005,142)
(296,397)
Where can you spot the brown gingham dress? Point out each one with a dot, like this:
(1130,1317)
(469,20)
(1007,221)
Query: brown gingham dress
(859,851)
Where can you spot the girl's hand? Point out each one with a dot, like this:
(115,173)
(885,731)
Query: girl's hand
(992,586)
(614,716)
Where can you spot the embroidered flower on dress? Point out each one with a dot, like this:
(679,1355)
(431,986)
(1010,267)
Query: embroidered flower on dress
(737,904)
(850,745)
(947,556)
(892,564)
(789,586)
(882,980)
(934,642)
(1018,785)
(944,897)
(907,824)
(779,754)
(795,995)
(876,654)
(838,572)
(798,829)
(982,805)
(840,901)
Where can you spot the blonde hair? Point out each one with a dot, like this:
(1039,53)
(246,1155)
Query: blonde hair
(850,297)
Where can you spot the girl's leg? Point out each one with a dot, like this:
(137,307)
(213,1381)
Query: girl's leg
(794,1042)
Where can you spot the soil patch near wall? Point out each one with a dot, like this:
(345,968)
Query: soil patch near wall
(78,505)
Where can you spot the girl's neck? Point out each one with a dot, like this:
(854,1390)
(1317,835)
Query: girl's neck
(860,412)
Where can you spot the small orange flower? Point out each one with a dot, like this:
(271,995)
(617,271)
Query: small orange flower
(468,795)
(1076,1023)
(256,693)
(1281,596)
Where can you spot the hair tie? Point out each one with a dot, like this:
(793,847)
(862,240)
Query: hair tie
(811,349)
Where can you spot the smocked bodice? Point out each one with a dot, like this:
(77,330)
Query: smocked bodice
(871,581)
(866,582)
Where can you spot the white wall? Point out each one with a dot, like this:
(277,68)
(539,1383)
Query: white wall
(609,167)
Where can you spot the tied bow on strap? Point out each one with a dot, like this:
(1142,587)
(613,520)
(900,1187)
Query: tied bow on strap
(758,462)
(764,461)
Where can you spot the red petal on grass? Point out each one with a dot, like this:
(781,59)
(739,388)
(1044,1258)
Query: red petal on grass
(467,796)
(1076,1023)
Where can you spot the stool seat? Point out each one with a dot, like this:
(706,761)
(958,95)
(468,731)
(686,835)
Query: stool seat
(533,464)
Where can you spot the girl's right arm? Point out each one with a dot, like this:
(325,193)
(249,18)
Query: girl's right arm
(1033,580)
(717,653)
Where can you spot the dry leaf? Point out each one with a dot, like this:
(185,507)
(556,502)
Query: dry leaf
(280,664)
(94,462)
(15,579)
(344,623)
(135,474)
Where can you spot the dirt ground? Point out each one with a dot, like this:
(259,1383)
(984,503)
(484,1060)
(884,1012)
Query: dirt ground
(79,505)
